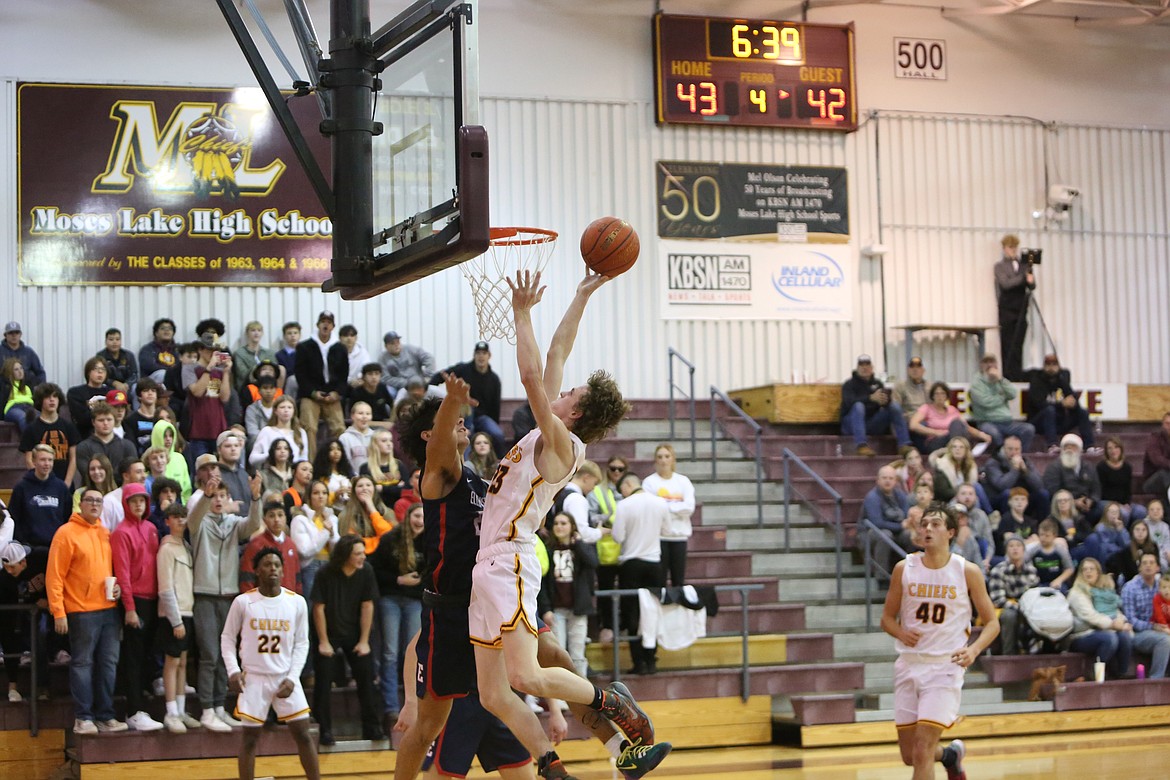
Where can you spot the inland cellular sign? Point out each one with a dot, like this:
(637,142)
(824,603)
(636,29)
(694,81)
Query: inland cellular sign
(754,73)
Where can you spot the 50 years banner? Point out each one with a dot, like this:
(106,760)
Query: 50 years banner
(157,185)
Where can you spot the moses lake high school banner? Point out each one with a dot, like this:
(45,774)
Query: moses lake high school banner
(754,242)
(157,185)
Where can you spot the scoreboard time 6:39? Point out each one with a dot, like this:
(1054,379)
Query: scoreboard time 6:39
(753,73)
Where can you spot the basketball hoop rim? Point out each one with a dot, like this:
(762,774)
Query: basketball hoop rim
(521,236)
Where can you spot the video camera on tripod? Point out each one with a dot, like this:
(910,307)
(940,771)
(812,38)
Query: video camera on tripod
(1030,256)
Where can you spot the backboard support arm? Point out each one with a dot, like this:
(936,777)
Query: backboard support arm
(284,116)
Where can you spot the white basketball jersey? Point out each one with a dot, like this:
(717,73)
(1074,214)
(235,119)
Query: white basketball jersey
(936,603)
(268,628)
(518,498)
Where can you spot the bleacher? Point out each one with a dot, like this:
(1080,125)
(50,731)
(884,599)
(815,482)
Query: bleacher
(815,675)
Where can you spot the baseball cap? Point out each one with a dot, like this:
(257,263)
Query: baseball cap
(864,359)
(206,459)
(391,335)
(482,346)
(12,327)
(327,315)
(915,362)
(116,398)
(228,434)
(209,339)
(13,552)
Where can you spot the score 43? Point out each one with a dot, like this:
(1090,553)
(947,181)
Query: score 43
(704,98)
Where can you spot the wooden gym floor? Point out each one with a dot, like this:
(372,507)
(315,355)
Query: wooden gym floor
(1135,754)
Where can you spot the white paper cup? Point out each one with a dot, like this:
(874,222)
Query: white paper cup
(110,582)
(1099,671)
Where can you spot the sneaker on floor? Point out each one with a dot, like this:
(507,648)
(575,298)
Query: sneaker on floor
(159,688)
(111,726)
(188,690)
(25,658)
(174,724)
(623,711)
(1094,452)
(140,721)
(14,695)
(865,451)
(62,657)
(637,760)
(555,771)
(190,722)
(84,727)
(211,722)
(222,714)
(956,771)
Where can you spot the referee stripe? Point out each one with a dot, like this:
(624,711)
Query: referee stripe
(528,499)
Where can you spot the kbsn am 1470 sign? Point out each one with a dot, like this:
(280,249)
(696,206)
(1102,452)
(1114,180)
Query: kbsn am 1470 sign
(157,185)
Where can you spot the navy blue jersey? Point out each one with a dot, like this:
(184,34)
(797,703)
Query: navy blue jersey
(451,535)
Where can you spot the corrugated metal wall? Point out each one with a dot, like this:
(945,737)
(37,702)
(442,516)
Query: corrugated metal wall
(946,189)
(952,186)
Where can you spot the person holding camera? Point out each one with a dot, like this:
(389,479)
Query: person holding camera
(1014,282)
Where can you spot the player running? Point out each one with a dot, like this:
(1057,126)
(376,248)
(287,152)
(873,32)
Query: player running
(506,578)
(928,612)
(272,626)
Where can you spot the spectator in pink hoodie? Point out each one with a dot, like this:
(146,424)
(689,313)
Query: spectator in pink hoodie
(134,544)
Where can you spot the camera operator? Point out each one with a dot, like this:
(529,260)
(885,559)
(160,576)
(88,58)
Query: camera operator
(1014,282)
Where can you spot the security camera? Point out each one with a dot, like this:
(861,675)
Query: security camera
(1061,196)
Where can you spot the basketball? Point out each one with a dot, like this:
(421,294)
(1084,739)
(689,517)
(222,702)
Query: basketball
(609,246)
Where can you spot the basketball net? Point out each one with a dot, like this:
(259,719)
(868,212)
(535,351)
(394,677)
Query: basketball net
(511,249)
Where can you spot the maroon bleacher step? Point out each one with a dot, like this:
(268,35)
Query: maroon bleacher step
(762,619)
(717,565)
(820,708)
(1111,693)
(711,538)
(803,648)
(164,746)
(764,680)
(1002,669)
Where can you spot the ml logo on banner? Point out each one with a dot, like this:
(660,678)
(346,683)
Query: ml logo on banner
(201,149)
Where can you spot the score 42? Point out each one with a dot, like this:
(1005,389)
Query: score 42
(703,98)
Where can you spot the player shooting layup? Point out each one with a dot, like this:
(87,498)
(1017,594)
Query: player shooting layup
(272,625)
(506,578)
(928,612)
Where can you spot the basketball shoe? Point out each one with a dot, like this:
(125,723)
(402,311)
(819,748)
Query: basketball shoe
(621,709)
(636,760)
(955,771)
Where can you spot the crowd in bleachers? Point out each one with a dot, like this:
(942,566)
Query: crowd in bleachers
(153,484)
(1074,525)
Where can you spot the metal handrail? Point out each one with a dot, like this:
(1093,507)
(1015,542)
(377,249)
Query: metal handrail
(758,430)
(671,354)
(871,533)
(615,601)
(34,721)
(838,531)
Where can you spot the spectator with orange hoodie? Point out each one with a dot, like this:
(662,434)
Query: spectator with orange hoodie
(83,606)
